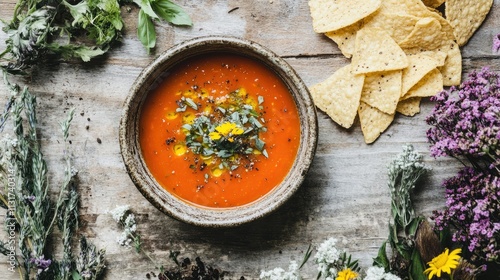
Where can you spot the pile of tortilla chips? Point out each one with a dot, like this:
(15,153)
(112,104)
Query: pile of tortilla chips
(400,50)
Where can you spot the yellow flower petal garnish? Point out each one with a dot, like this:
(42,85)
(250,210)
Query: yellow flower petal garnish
(224,130)
(444,262)
(188,118)
(172,115)
(346,274)
(216,172)
(180,149)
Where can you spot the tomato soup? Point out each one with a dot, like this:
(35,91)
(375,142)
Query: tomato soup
(221,130)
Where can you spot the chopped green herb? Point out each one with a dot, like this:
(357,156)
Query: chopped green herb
(226,134)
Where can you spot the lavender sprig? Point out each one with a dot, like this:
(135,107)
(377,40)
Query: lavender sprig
(466,121)
(473,210)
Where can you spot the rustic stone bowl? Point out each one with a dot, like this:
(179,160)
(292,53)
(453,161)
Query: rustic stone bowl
(150,77)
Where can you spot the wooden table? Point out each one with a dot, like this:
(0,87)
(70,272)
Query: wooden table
(344,196)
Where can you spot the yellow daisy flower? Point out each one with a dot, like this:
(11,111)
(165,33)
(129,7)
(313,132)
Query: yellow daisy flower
(444,262)
(346,274)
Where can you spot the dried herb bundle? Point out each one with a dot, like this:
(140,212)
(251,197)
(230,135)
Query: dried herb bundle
(31,214)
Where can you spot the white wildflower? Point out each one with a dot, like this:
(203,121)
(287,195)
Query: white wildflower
(274,274)
(327,252)
(123,216)
(378,273)
(119,213)
(280,274)
(124,240)
(326,257)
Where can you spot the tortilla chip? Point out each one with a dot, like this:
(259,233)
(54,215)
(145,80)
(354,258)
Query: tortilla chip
(433,3)
(339,95)
(438,56)
(382,90)
(452,68)
(373,122)
(346,38)
(425,35)
(398,26)
(376,51)
(409,107)
(466,16)
(430,85)
(418,9)
(419,66)
(408,7)
(328,15)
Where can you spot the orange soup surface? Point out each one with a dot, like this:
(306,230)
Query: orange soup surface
(220,131)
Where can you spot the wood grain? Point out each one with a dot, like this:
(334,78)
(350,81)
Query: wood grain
(344,196)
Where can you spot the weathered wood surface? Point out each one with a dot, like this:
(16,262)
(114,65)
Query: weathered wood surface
(344,196)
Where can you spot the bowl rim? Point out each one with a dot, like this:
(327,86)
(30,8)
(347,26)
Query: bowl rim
(189,212)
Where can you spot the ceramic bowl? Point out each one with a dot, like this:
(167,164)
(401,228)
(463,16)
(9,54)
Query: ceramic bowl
(203,216)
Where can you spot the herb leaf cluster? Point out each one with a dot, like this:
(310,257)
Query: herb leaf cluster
(81,29)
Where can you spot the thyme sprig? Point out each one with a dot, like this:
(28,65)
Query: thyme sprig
(32,215)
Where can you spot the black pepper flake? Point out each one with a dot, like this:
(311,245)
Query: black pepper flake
(99,141)
(170,140)
(203,166)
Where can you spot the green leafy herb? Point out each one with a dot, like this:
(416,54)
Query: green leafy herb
(403,172)
(146,30)
(80,29)
(155,10)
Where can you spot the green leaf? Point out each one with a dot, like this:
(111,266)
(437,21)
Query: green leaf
(77,11)
(86,53)
(145,6)
(264,152)
(412,228)
(76,275)
(417,267)
(382,260)
(171,12)
(259,144)
(146,30)
(112,7)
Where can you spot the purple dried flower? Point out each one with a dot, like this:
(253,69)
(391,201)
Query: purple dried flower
(465,120)
(473,210)
(41,263)
(496,43)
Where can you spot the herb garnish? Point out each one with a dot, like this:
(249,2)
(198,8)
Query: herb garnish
(224,131)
